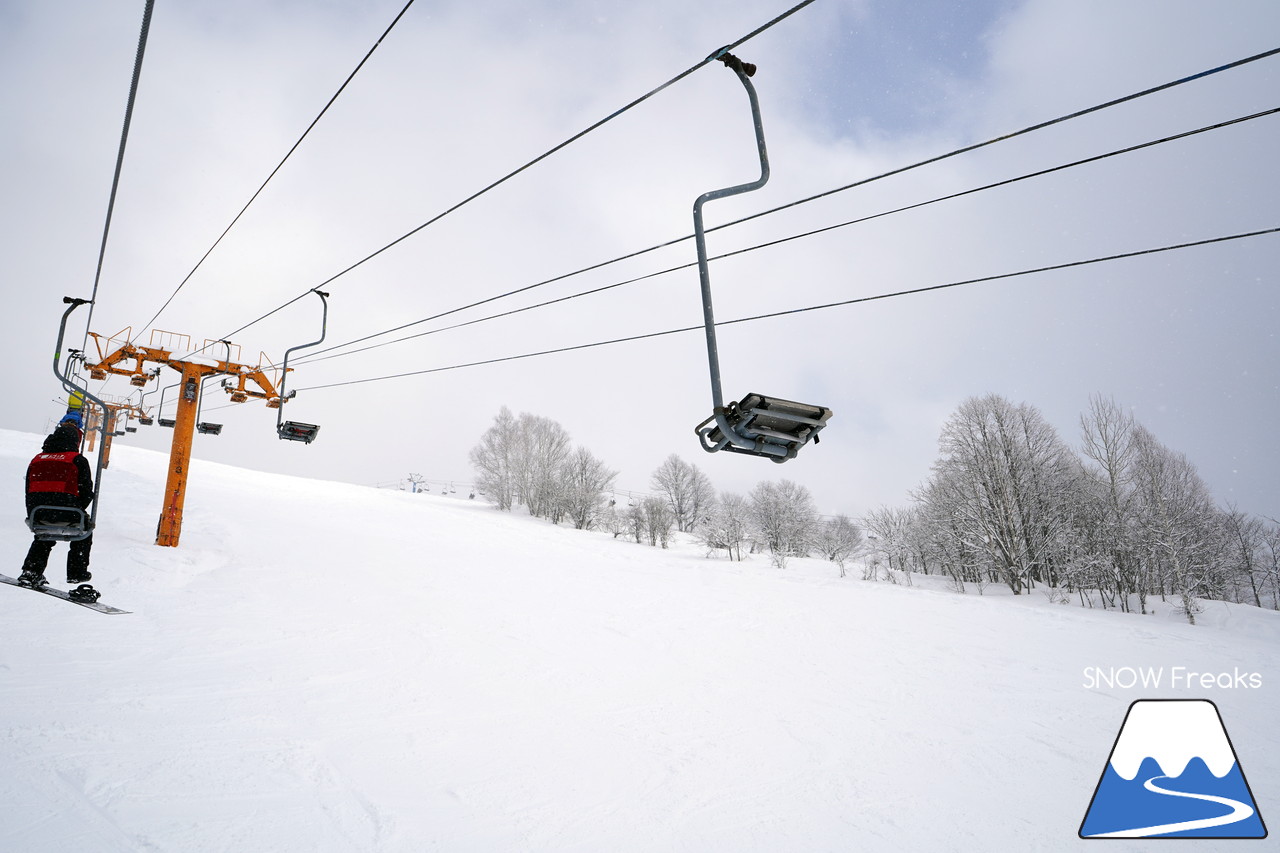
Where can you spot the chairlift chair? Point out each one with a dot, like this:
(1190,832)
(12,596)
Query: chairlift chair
(206,428)
(755,425)
(146,421)
(769,422)
(296,430)
(59,523)
(168,422)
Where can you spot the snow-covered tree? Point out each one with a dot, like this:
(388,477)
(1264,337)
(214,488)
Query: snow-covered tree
(657,520)
(784,519)
(1271,562)
(521,460)
(543,446)
(1176,524)
(686,489)
(1003,481)
(726,525)
(585,482)
(495,460)
(1108,444)
(889,536)
(838,540)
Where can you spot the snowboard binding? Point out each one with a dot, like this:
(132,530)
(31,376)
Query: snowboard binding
(33,580)
(84,592)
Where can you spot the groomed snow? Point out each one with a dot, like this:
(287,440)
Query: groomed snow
(328,667)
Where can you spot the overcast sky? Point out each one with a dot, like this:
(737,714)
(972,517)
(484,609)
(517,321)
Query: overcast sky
(462,93)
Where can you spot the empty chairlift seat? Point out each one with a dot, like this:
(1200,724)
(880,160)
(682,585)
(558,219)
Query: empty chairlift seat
(756,425)
(298,431)
(763,426)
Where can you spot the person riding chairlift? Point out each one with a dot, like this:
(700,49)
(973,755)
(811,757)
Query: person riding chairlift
(59,476)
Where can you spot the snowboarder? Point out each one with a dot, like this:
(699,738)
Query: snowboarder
(59,476)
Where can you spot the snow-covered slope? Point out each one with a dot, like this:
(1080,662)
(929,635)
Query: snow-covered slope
(325,667)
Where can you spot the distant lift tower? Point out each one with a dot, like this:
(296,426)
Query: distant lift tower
(121,357)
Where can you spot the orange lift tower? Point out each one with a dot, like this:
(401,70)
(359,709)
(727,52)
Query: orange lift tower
(128,359)
(117,423)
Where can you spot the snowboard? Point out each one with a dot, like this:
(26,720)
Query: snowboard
(59,593)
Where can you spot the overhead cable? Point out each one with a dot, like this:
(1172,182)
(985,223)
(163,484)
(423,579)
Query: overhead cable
(806,309)
(532,162)
(279,165)
(115,179)
(318,356)
(863,182)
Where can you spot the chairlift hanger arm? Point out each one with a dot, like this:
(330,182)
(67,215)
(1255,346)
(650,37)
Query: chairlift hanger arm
(295,430)
(699,233)
(71,387)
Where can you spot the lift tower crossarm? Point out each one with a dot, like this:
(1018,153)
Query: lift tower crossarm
(193,369)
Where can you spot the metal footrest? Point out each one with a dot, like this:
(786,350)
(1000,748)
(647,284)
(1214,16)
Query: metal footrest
(763,426)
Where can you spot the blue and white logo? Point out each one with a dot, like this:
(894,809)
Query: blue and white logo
(1173,773)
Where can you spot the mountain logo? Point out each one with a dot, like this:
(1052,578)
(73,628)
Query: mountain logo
(1172,773)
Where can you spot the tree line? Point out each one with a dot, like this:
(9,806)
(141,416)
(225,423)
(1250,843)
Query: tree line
(1115,523)
(1122,520)
(529,460)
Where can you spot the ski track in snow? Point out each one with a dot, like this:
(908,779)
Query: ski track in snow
(325,667)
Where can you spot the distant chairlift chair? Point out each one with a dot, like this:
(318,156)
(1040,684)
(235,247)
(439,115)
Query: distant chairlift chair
(297,430)
(755,425)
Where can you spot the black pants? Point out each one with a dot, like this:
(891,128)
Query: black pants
(77,560)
